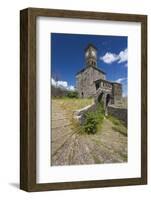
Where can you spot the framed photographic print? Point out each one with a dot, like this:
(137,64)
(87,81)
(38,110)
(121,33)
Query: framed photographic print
(83,99)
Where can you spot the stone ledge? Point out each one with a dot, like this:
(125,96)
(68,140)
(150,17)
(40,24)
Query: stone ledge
(79,114)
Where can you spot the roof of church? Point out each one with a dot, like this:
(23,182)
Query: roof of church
(82,70)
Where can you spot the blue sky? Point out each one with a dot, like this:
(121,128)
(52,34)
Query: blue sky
(67,57)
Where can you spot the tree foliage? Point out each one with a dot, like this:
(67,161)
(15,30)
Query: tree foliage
(72,94)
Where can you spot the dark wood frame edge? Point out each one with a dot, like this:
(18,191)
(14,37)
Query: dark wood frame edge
(28,99)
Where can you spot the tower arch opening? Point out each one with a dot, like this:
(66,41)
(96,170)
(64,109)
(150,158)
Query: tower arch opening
(108,98)
(100,97)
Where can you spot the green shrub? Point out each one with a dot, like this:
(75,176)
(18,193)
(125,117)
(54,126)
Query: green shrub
(91,122)
(72,94)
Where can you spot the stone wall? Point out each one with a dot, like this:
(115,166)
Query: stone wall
(79,114)
(117,93)
(85,81)
(120,113)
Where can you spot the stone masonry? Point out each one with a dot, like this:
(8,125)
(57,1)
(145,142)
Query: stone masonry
(91,81)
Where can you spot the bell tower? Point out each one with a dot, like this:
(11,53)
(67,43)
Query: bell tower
(91,56)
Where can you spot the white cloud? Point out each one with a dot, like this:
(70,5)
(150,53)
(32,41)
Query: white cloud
(112,57)
(71,87)
(120,80)
(123,56)
(62,84)
(109,58)
(53,82)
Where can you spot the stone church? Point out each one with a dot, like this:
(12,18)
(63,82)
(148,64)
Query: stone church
(91,81)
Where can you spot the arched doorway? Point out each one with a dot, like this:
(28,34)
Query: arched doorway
(108,98)
(100,97)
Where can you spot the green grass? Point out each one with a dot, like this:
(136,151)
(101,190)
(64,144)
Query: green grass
(120,129)
(71,104)
(114,120)
(118,125)
(95,118)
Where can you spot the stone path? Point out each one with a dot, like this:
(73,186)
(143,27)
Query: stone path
(68,147)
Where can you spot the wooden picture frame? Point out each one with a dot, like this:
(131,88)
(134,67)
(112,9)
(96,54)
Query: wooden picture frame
(28,98)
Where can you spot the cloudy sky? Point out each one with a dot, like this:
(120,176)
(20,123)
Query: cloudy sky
(67,57)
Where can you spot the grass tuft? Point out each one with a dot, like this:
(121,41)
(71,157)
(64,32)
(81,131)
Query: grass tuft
(118,125)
